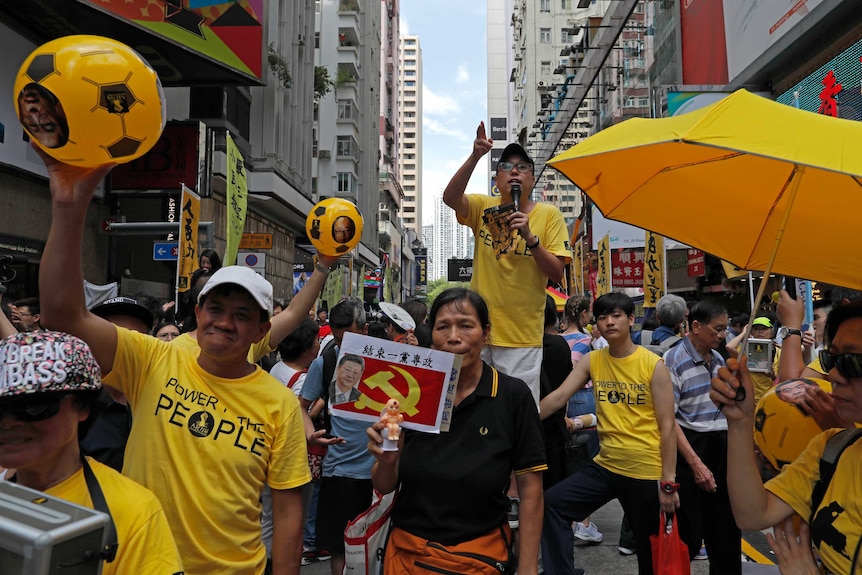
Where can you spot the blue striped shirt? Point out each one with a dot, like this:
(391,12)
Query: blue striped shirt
(691,384)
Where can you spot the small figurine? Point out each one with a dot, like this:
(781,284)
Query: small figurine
(392,418)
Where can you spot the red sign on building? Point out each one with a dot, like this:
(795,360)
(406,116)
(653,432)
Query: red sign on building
(696,266)
(627,268)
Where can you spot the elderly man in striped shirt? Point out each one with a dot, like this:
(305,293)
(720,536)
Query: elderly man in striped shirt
(701,465)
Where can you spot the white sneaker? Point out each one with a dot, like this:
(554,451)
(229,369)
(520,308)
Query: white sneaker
(591,533)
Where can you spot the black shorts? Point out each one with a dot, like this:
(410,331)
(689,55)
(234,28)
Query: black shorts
(341,500)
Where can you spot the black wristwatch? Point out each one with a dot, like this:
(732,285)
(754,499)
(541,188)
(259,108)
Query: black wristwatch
(535,245)
(783,332)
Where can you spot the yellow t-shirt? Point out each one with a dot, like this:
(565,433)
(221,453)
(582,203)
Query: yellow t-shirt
(837,525)
(512,285)
(145,545)
(628,430)
(816,366)
(255,352)
(206,446)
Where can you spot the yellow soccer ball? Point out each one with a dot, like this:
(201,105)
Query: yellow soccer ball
(89,101)
(334,226)
(782,429)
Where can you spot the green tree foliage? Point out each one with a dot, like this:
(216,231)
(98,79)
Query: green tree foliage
(322,83)
(436,287)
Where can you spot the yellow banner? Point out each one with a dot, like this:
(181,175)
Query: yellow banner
(578,264)
(237,199)
(187,254)
(653,269)
(731,271)
(603,277)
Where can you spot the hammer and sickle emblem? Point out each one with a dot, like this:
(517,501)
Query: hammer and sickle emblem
(381,380)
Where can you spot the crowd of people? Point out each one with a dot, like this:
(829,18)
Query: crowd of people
(210,442)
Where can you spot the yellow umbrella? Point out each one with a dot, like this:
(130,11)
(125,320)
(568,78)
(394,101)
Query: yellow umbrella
(762,185)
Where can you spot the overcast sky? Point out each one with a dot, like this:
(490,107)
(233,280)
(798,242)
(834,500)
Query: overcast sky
(454,54)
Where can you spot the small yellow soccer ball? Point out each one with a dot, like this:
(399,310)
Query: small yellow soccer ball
(89,101)
(334,226)
(782,429)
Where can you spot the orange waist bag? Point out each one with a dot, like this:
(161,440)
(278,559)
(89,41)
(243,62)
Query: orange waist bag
(407,554)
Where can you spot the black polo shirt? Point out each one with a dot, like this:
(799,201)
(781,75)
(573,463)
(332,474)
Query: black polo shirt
(453,485)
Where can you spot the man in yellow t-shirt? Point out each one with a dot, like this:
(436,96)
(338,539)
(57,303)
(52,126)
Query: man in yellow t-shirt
(209,430)
(637,461)
(516,251)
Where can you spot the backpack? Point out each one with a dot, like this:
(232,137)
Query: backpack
(658,348)
(829,462)
(330,359)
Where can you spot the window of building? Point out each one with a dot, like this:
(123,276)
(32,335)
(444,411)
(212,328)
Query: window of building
(410,83)
(565,36)
(314,185)
(545,5)
(409,146)
(566,4)
(317,39)
(643,102)
(409,220)
(317,7)
(409,188)
(409,177)
(344,182)
(545,68)
(344,146)
(409,210)
(409,114)
(410,73)
(410,42)
(409,104)
(409,135)
(409,124)
(409,62)
(409,156)
(410,93)
(409,52)
(544,35)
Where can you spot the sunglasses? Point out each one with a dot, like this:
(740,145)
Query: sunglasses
(32,409)
(848,364)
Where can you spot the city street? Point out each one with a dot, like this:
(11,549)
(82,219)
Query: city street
(604,559)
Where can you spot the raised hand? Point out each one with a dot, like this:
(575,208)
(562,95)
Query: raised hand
(482,144)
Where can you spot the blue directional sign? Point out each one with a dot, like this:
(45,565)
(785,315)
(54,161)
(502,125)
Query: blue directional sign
(165,251)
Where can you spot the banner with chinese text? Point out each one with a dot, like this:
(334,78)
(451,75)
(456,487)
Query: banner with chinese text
(653,269)
(578,267)
(603,275)
(371,371)
(187,254)
(237,199)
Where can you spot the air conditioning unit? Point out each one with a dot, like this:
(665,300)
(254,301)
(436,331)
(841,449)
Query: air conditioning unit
(326,154)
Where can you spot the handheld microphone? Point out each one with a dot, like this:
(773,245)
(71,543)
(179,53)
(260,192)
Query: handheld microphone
(516,196)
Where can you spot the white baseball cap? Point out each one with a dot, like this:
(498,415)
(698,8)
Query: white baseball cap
(246,278)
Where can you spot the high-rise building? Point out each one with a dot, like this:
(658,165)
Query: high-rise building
(410,142)
(450,240)
(346,129)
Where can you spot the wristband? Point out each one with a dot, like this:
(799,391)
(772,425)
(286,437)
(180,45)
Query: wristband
(321,268)
(669,487)
(535,245)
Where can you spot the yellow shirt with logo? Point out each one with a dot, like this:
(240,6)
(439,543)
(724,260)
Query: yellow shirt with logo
(255,352)
(206,446)
(628,430)
(507,276)
(837,525)
(145,545)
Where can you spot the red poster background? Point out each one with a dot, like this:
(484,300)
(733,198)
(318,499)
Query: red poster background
(431,386)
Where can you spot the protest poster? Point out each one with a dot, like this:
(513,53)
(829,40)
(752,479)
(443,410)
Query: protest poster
(370,371)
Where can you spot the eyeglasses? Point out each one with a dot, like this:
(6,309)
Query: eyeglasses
(720,333)
(32,409)
(523,167)
(848,364)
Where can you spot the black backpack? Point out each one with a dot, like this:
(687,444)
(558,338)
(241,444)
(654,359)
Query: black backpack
(829,462)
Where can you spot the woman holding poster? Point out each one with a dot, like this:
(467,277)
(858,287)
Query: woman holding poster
(450,511)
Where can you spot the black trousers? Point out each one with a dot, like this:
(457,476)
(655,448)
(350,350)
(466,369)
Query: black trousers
(705,516)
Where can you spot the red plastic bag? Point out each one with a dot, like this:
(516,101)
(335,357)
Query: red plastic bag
(669,553)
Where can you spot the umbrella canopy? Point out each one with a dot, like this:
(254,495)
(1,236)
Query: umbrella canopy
(746,179)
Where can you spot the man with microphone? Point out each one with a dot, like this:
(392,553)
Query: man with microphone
(519,245)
